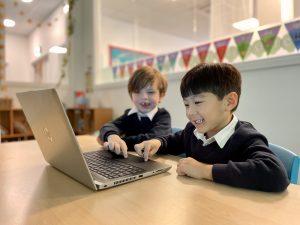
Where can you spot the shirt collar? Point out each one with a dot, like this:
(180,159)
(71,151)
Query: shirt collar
(150,114)
(221,137)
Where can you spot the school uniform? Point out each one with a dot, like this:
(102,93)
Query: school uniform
(239,154)
(134,127)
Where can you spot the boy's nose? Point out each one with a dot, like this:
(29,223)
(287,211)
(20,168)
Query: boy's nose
(191,110)
(144,95)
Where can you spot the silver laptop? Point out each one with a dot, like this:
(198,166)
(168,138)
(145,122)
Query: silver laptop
(55,136)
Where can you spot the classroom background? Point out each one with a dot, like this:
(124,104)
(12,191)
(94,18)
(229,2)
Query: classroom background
(87,49)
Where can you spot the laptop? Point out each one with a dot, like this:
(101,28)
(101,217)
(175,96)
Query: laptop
(55,136)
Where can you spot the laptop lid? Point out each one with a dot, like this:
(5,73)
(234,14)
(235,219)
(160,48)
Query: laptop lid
(54,134)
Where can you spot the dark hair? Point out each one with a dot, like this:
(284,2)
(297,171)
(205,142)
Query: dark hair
(147,76)
(217,78)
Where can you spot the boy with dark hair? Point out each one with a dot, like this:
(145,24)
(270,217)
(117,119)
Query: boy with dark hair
(145,120)
(218,146)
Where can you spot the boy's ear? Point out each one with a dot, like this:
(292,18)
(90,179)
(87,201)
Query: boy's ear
(231,100)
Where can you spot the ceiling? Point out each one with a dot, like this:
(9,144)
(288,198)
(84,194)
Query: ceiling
(29,15)
(182,18)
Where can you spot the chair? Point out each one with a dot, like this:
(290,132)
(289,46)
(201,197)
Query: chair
(289,159)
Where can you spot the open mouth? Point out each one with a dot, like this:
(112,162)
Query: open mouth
(145,104)
(199,121)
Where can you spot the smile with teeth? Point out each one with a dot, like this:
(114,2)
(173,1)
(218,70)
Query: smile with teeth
(145,104)
(199,121)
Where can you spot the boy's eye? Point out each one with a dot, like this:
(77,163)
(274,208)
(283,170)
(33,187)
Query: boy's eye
(186,105)
(198,102)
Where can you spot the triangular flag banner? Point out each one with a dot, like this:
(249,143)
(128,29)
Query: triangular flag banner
(221,47)
(267,37)
(130,68)
(202,52)
(186,56)
(294,32)
(122,71)
(160,62)
(114,70)
(139,64)
(150,61)
(172,58)
(243,43)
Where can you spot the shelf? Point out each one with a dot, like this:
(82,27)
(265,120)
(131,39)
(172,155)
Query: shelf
(14,123)
(88,120)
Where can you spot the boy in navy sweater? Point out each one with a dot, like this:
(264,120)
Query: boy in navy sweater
(218,146)
(145,120)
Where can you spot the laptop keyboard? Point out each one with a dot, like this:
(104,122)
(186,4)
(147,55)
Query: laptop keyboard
(109,168)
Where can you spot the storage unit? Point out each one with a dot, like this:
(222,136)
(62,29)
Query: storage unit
(13,125)
(88,120)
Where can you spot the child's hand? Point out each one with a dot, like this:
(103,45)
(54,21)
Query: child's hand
(147,148)
(116,144)
(193,168)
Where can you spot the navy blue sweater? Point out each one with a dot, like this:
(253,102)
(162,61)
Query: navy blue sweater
(245,161)
(133,131)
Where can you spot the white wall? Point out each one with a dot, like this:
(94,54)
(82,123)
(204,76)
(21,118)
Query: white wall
(118,33)
(269,100)
(16,56)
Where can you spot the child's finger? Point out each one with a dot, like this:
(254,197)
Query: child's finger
(106,145)
(147,150)
(138,148)
(117,149)
(124,149)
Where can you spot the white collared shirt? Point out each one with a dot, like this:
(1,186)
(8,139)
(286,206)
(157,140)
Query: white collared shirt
(150,114)
(221,137)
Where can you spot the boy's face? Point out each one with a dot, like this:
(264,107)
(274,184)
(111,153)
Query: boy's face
(147,98)
(207,113)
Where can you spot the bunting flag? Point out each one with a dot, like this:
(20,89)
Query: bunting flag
(294,31)
(114,71)
(202,51)
(130,68)
(172,59)
(149,61)
(267,37)
(122,71)
(160,62)
(139,64)
(243,43)
(186,56)
(221,47)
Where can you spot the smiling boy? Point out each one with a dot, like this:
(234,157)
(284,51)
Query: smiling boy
(218,146)
(145,120)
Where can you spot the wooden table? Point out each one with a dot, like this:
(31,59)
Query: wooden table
(32,192)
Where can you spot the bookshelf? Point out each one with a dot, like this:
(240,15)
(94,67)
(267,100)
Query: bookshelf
(14,126)
(88,120)
(83,120)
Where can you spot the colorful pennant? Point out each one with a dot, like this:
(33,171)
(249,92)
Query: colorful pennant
(186,56)
(130,68)
(202,51)
(139,64)
(172,58)
(294,31)
(267,37)
(114,71)
(160,62)
(122,71)
(243,43)
(221,47)
(149,61)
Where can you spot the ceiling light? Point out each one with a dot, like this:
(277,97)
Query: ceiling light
(66,8)
(27,1)
(58,50)
(246,24)
(9,23)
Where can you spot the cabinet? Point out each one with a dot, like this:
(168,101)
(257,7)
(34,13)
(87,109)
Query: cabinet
(14,126)
(88,120)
